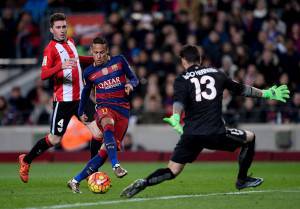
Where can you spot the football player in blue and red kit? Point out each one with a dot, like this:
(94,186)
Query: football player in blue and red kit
(108,76)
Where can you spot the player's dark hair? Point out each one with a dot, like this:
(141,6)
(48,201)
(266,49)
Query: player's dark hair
(191,54)
(100,40)
(56,17)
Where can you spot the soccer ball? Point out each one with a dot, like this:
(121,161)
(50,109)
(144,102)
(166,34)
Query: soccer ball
(99,182)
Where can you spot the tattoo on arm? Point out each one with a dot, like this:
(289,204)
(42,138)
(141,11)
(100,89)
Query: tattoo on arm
(250,91)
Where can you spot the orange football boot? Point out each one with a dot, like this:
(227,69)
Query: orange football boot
(24,169)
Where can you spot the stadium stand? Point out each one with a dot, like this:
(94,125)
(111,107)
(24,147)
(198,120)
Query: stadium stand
(255,42)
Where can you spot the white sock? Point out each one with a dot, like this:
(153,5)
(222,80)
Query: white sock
(74,181)
(116,165)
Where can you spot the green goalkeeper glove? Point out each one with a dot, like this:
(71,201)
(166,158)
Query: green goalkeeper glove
(280,93)
(174,121)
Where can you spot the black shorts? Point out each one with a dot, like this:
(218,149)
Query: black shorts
(61,116)
(189,146)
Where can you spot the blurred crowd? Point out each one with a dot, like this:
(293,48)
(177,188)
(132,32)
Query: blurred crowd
(256,42)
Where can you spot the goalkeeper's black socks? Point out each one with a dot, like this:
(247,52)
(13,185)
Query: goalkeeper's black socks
(159,176)
(245,159)
(40,147)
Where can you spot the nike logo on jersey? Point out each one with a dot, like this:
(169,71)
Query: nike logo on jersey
(67,79)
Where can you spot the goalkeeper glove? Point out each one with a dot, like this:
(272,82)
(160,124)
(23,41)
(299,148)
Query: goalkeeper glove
(280,93)
(174,121)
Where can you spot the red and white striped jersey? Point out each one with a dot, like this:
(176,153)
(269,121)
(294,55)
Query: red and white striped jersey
(68,83)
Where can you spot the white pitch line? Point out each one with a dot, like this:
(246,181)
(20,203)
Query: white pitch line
(159,198)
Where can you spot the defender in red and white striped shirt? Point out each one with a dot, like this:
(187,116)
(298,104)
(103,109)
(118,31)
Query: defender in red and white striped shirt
(60,63)
(67,79)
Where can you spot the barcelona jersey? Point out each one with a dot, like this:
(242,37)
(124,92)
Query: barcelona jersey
(109,81)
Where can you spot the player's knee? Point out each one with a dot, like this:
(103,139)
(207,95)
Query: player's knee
(175,171)
(102,153)
(54,139)
(250,143)
(109,127)
(95,130)
(175,168)
(250,137)
(106,122)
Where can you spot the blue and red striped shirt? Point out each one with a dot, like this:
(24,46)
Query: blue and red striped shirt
(109,81)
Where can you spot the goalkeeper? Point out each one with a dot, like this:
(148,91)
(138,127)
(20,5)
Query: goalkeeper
(198,91)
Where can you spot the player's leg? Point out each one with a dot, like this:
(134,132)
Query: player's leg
(157,177)
(97,139)
(245,160)
(107,124)
(246,140)
(95,145)
(246,154)
(57,129)
(163,174)
(25,160)
(121,126)
(106,120)
(91,167)
(186,151)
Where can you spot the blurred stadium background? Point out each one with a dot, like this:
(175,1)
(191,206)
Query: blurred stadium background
(256,42)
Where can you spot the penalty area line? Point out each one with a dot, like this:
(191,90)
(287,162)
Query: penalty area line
(112,202)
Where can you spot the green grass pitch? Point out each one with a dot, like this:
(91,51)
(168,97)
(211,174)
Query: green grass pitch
(201,185)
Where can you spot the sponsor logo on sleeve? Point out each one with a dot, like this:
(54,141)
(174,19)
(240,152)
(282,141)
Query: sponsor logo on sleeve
(44,61)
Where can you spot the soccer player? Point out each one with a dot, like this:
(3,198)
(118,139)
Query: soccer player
(198,91)
(108,76)
(61,63)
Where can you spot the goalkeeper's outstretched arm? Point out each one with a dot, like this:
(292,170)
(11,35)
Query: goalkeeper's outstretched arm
(280,93)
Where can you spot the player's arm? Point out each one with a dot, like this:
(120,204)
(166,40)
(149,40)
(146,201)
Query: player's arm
(48,67)
(180,95)
(85,61)
(280,93)
(85,94)
(133,80)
